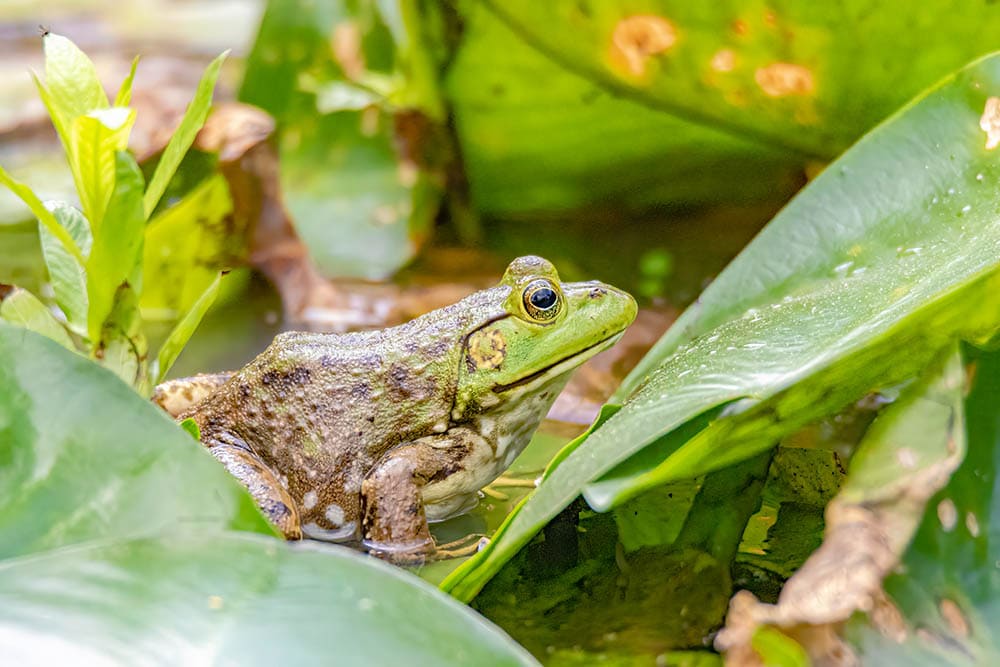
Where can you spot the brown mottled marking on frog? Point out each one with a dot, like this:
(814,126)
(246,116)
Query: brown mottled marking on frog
(453,464)
(487,349)
(296,376)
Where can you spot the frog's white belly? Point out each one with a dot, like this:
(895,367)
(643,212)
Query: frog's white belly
(503,435)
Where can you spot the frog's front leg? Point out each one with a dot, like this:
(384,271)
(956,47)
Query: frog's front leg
(272,498)
(437,470)
(177,396)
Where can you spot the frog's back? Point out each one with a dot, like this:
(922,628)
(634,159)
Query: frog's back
(323,408)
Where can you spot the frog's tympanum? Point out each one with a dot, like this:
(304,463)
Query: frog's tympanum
(371,435)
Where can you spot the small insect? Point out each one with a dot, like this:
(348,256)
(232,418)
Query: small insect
(43,30)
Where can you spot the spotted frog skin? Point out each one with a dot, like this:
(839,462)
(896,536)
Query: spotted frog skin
(371,435)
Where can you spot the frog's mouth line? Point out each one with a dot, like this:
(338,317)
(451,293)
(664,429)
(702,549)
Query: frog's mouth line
(582,355)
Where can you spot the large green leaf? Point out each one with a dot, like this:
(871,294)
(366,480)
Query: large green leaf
(86,458)
(887,256)
(530,150)
(183,137)
(691,102)
(231,599)
(115,547)
(793,75)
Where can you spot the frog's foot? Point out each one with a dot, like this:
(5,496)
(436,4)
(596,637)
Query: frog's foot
(460,548)
(176,396)
(272,498)
(394,524)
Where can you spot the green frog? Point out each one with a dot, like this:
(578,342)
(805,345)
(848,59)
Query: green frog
(369,436)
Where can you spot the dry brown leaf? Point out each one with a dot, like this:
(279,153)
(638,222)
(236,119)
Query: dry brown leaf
(863,542)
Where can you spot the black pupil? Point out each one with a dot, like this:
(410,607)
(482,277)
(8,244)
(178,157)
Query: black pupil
(543,298)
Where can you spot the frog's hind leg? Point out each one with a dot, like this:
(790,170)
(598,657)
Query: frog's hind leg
(176,396)
(433,469)
(272,498)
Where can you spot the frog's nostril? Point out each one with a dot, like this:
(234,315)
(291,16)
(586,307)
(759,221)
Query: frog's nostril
(597,292)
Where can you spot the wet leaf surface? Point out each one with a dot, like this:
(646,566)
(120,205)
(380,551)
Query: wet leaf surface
(895,253)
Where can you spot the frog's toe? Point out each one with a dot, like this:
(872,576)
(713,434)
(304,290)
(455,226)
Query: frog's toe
(462,547)
(285,518)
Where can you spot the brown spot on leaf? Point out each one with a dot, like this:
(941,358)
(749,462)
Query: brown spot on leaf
(972,524)
(785,79)
(638,38)
(346,47)
(724,60)
(947,515)
(990,122)
(954,617)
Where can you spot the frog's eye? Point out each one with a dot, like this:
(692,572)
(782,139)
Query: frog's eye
(542,300)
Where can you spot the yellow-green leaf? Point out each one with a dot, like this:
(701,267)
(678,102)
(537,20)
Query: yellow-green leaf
(68,276)
(182,331)
(179,144)
(122,347)
(43,214)
(117,244)
(96,137)
(71,78)
(186,245)
(23,308)
(124,95)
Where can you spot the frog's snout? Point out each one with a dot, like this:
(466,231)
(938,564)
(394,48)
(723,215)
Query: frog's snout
(615,306)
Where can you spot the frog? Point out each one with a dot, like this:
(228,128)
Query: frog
(368,437)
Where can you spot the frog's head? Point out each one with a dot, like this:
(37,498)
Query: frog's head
(545,329)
